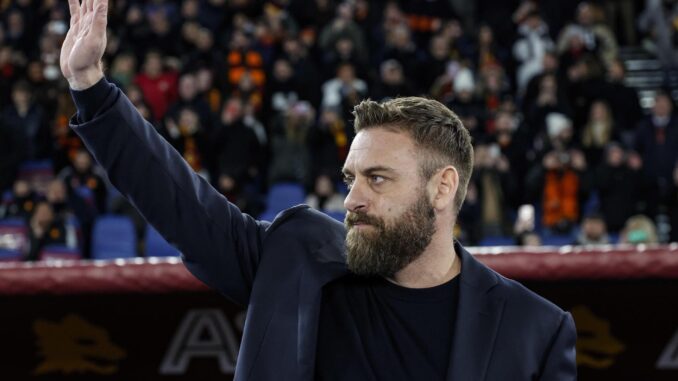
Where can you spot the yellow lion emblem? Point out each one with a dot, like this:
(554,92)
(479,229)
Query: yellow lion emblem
(74,345)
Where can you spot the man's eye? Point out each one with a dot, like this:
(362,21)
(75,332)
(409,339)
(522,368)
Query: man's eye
(348,181)
(376,179)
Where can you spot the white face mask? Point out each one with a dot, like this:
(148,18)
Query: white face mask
(57,27)
(51,72)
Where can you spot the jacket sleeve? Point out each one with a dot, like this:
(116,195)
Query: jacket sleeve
(560,363)
(220,245)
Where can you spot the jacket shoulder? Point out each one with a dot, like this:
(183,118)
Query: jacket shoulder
(311,230)
(526,300)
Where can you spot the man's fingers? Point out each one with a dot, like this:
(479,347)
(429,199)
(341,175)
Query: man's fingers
(83,9)
(74,8)
(100,17)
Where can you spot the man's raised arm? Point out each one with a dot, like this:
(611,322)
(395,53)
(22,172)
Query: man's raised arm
(221,246)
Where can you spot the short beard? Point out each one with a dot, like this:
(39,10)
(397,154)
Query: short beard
(391,247)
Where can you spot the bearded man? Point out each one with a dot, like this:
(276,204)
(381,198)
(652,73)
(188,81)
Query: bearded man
(388,296)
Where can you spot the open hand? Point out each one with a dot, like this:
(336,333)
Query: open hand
(85,43)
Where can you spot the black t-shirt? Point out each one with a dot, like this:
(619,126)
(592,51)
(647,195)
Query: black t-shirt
(372,329)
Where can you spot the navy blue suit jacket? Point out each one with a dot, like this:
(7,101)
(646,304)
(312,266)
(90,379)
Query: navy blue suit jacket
(503,331)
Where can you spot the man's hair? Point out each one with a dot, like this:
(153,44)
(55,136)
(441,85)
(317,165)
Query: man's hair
(433,127)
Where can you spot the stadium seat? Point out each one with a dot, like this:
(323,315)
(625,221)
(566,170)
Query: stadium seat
(339,216)
(156,245)
(557,239)
(58,252)
(497,241)
(38,173)
(113,236)
(282,196)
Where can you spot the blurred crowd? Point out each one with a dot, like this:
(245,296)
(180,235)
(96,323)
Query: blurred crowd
(253,93)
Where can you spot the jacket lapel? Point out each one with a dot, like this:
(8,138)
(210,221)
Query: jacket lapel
(329,264)
(478,317)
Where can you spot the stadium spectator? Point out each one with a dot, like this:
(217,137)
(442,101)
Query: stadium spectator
(530,47)
(188,136)
(190,98)
(344,26)
(399,45)
(17,34)
(46,228)
(466,104)
(123,70)
(273,56)
(623,101)
(325,197)
(392,81)
(529,239)
(550,99)
(510,137)
(237,150)
(493,90)
(20,202)
(657,142)
(344,90)
(75,210)
(243,60)
(158,85)
(290,156)
(657,21)
(588,35)
(82,178)
(618,181)
(27,117)
(306,71)
(559,182)
(283,89)
(328,142)
(162,32)
(433,63)
(551,66)
(639,229)
(593,231)
(494,185)
(486,50)
(599,130)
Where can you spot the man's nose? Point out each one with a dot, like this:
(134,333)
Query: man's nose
(356,199)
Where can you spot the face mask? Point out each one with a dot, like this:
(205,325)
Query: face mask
(637,236)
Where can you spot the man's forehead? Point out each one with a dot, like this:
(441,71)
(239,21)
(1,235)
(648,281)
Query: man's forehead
(379,147)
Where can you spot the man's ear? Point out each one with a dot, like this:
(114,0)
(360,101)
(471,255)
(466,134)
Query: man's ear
(444,187)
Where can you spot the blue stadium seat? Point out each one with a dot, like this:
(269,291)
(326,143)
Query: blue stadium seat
(267,216)
(282,196)
(113,236)
(58,252)
(557,239)
(86,194)
(497,241)
(156,245)
(339,216)
(38,173)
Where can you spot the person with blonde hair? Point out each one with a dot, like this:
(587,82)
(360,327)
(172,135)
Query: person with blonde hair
(639,229)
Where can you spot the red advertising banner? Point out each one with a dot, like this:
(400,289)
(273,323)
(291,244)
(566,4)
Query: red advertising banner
(150,319)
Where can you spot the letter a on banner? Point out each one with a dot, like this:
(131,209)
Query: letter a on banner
(203,333)
(669,357)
